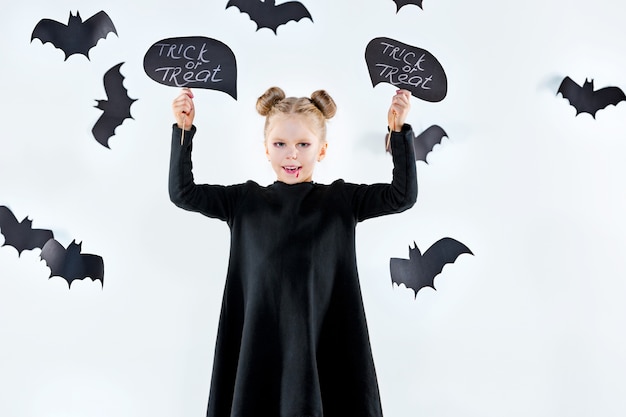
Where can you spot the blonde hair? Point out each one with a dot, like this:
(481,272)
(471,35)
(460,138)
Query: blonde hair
(319,108)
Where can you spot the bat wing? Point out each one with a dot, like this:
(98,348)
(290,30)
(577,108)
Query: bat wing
(253,8)
(9,226)
(92,267)
(116,92)
(606,96)
(98,27)
(426,141)
(286,12)
(37,238)
(53,253)
(85,35)
(403,272)
(81,266)
(442,252)
(576,96)
(570,90)
(20,235)
(104,128)
(116,108)
(48,30)
(410,272)
(402,3)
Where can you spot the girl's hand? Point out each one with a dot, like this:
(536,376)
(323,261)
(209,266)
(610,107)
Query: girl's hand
(399,110)
(184,109)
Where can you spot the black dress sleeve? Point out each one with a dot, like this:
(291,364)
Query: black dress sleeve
(217,201)
(380,199)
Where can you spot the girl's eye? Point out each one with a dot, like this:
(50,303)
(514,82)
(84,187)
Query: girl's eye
(304,145)
(279,144)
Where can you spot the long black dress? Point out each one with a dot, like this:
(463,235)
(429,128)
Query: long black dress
(292,338)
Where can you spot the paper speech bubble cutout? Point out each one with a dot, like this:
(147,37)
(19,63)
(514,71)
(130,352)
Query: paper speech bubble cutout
(194,62)
(408,67)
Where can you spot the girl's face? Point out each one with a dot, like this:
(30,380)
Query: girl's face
(293,148)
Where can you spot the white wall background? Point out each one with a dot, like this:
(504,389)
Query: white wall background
(532,325)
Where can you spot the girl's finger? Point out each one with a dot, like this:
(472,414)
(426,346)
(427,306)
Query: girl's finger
(187,91)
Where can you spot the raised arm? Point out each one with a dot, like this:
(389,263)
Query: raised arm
(215,201)
(380,199)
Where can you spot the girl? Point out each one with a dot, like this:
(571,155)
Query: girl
(292,338)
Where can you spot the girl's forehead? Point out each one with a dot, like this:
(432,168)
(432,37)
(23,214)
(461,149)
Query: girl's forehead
(289,117)
(291,122)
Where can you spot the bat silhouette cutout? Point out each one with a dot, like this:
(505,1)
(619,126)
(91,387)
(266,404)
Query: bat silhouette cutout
(402,3)
(116,109)
(267,14)
(70,264)
(426,141)
(587,100)
(420,270)
(77,37)
(21,235)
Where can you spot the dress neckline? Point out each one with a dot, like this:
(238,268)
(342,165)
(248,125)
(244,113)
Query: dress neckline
(305,184)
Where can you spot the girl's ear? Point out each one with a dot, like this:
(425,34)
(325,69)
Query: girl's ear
(322,152)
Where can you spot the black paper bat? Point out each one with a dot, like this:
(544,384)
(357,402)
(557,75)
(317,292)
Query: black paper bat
(267,14)
(77,37)
(402,3)
(420,270)
(70,264)
(21,235)
(586,99)
(116,108)
(425,141)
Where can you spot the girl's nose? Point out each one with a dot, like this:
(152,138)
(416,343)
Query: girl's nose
(293,153)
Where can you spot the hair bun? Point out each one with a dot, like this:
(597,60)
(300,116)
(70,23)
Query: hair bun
(269,99)
(324,102)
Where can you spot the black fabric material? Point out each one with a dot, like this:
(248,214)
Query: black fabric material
(292,338)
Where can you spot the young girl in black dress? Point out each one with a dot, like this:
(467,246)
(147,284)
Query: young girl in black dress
(292,338)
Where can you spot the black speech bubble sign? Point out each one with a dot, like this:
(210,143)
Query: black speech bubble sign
(194,62)
(407,67)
